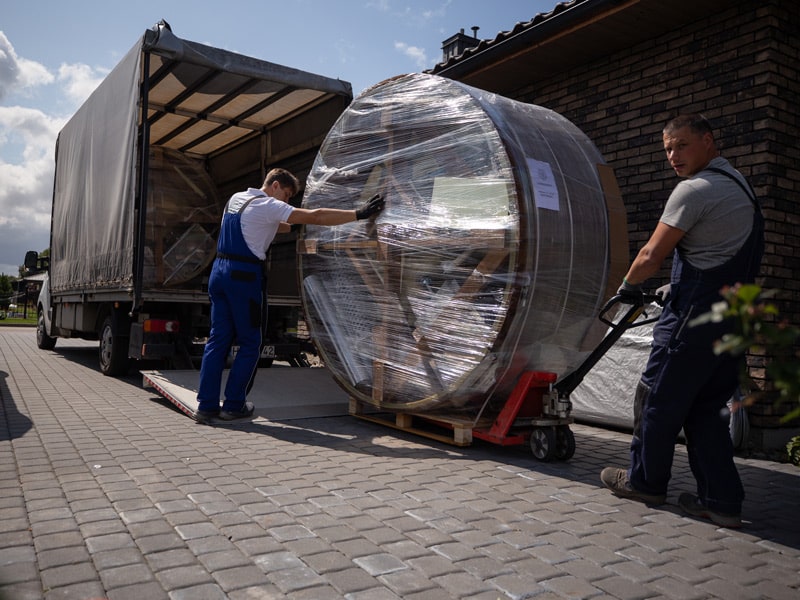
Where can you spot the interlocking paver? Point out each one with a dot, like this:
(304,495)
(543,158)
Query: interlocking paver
(62,556)
(105,493)
(237,577)
(159,543)
(151,590)
(68,574)
(125,576)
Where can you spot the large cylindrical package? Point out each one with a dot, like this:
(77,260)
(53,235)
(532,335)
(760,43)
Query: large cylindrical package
(501,237)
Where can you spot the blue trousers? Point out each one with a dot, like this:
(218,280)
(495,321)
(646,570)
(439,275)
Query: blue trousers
(685,385)
(236,297)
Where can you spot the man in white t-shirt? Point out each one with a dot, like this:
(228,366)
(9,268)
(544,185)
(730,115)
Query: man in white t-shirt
(712,224)
(236,285)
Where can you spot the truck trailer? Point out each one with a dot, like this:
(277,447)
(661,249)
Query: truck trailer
(142,172)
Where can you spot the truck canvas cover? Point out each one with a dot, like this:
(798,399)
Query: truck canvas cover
(178,97)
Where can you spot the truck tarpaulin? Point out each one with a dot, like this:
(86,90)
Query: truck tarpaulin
(182,97)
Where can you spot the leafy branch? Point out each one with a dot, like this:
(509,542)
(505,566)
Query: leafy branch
(758,327)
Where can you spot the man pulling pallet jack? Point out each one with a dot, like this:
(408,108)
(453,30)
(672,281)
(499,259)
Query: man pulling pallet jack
(713,223)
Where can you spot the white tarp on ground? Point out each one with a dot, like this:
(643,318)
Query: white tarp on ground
(606,394)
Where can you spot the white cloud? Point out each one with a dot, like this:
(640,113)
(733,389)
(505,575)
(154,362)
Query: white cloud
(414,53)
(26,187)
(345,51)
(381,5)
(80,80)
(19,74)
(27,148)
(33,74)
(436,13)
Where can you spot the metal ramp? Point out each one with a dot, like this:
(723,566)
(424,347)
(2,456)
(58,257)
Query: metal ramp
(279,393)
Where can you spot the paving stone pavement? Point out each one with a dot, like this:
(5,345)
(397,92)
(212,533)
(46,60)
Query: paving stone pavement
(107,491)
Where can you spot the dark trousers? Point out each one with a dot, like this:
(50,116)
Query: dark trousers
(685,385)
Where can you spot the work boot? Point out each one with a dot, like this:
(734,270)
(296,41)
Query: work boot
(617,481)
(692,505)
(205,417)
(245,413)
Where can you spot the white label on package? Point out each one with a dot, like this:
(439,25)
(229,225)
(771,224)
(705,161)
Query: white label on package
(544,184)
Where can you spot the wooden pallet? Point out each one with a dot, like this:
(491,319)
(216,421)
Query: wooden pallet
(454,431)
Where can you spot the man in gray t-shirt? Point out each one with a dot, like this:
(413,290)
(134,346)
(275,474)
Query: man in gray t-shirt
(713,226)
(714,214)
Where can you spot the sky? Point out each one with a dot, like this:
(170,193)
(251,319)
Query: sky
(54,53)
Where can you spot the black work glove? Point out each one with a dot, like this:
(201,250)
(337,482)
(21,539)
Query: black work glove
(371,207)
(630,293)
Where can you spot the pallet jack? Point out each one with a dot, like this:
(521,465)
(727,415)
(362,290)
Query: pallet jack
(538,409)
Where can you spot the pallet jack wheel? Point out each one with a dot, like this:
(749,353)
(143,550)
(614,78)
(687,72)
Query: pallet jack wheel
(565,443)
(543,443)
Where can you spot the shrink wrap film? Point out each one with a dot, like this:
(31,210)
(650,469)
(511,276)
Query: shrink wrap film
(493,255)
(183,217)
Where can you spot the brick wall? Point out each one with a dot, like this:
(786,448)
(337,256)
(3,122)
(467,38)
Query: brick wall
(740,69)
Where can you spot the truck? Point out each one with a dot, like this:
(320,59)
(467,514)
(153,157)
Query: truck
(142,172)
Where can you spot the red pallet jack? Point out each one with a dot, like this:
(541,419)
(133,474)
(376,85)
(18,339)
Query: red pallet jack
(538,410)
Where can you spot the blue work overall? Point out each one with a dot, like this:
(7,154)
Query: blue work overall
(237,297)
(685,385)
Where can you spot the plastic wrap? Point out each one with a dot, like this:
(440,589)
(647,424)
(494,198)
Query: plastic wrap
(183,218)
(492,255)
(606,394)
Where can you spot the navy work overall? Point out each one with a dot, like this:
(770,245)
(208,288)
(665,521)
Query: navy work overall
(685,385)
(237,299)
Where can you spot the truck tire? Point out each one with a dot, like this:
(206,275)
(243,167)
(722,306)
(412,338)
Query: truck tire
(43,341)
(113,350)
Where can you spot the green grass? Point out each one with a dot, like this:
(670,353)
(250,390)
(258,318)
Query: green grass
(31,320)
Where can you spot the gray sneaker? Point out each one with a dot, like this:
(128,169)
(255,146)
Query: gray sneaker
(617,481)
(692,505)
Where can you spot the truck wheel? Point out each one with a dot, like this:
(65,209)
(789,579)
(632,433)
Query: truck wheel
(43,341)
(113,351)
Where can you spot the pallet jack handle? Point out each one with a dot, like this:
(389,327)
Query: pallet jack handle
(628,320)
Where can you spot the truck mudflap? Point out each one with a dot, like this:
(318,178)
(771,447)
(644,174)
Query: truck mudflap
(148,345)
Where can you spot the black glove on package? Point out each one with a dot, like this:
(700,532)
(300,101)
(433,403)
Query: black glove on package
(371,207)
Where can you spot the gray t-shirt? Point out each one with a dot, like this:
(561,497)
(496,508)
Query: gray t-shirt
(715,213)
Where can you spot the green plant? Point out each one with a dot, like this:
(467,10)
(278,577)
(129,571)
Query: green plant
(760,328)
(793,448)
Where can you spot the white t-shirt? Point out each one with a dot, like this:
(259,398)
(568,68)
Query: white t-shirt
(261,218)
(715,213)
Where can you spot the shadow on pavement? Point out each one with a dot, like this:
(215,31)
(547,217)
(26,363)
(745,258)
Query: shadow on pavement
(770,511)
(14,424)
(770,507)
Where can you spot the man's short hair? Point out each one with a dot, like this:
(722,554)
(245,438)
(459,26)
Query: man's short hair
(695,121)
(284,178)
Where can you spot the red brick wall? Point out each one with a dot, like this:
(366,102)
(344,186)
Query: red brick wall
(740,69)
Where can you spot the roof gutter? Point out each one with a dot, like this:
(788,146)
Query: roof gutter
(570,19)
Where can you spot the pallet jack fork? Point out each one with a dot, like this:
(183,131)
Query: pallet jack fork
(538,409)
